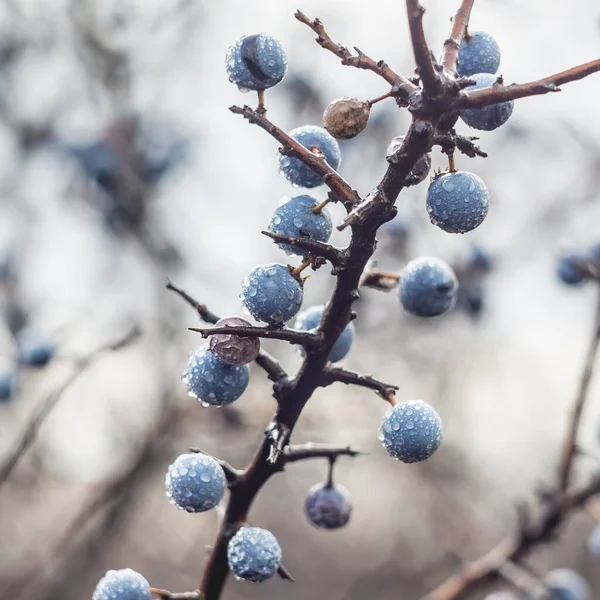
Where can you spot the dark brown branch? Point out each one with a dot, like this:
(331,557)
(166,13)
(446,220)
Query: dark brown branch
(293,336)
(430,77)
(166,595)
(309,451)
(570,444)
(380,280)
(264,360)
(334,255)
(285,574)
(29,433)
(502,93)
(450,141)
(403,88)
(231,474)
(332,374)
(459,26)
(331,178)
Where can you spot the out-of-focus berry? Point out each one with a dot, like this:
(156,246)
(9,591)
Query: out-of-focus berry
(489,117)
(328,506)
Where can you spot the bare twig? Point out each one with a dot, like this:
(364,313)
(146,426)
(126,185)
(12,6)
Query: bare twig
(293,336)
(311,450)
(570,444)
(333,374)
(284,573)
(205,315)
(29,433)
(334,255)
(166,595)
(459,26)
(430,78)
(231,474)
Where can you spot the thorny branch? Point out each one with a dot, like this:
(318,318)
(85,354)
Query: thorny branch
(311,450)
(334,255)
(452,44)
(333,374)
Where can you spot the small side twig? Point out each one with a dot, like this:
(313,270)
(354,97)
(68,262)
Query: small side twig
(205,315)
(450,141)
(312,450)
(377,279)
(459,26)
(338,374)
(231,474)
(284,573)
(334,255)
(166,595)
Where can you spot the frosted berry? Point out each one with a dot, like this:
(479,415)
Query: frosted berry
(295,217)
(328,506)
(253,554)
(428,287)
(479,53)
(33,351)
(232,349)
(411,431)
(420,169)
(457,201)
(256,62)
(489,117)
(212,381)
(345,118)
(571,268)
(317,140)
(124,584)
(594,542)
(195,482)
(566,584)
(310,318)
(271,294)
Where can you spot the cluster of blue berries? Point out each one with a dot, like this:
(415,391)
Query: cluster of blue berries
(576,267)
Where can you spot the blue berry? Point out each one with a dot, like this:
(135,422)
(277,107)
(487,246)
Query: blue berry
(232,349)
(428,287)
(566,584)
(212,381)
(256,62)
(8,384)
(505,595)
(311,137)
(271,294)
(195,482)
(478,54)
(489,117)
(328,506)
(457,201)
(253,554)
(34,352)
(571,268)
(594,542)
(294,217)
(310,319)
(411,431)
(124,584)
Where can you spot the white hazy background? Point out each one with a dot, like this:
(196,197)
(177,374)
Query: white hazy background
(502,384)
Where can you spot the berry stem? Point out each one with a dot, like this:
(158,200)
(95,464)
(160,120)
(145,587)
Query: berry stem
(379,98)
(330,468)
(305,263)
(391,398)
(319,208)
(261,103)
(451,165)
(467,37)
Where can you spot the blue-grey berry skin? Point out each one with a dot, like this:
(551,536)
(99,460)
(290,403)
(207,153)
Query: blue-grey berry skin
(428,287)
(571,268)
(411,431)
(566,584)
(311,137)
(328,506)
(594,542)
(8,384)
(478,54)
(195,482)
(310,318)
(256,62)
(295,217)
(489,117)
(124,584)
(35,353)
(271,294)
(213,382)
(253,554)
(457,201)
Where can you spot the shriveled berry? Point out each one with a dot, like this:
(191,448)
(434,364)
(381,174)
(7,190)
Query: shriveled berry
(212,381)
(428,287)
(309,319)
(328,506)
(489,117)
(420,169)
(271,294)
(124,584)
(572,268)
(411,431)
(294,217)
(232,349)
(319,141)
(253,554)
(345,118)
(457,201)
(478,53)
(195,482)
(256,62)
(566,584)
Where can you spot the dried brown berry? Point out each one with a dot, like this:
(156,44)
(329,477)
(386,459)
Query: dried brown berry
(234,349)
(346,117)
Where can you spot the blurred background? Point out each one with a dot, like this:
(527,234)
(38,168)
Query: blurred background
(120,165)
